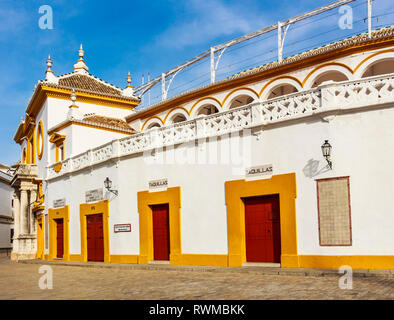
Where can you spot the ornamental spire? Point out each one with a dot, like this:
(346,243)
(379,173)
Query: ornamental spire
(128,91)
(80,66)
(49,76)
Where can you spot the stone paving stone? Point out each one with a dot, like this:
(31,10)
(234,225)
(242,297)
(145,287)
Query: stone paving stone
(20,281)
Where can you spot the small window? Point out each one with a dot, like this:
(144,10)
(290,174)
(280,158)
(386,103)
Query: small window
(333,200)
(11,235)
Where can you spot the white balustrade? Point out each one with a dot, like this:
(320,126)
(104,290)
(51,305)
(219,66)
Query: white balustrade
(327,97)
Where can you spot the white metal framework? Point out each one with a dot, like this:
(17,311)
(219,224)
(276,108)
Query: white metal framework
(216,52)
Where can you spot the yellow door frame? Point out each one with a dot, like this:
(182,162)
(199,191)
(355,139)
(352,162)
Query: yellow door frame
(86,209)
(59,213)
(146,199)
(285,186)
(40,236)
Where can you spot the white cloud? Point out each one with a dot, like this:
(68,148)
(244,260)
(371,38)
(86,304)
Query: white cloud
(209,21)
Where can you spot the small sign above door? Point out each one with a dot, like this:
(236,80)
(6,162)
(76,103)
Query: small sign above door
(94,195)
(265,170)
(122,227)
(58,203)
(158,184)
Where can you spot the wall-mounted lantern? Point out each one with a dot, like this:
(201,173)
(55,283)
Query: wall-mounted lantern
(326,150)
(108,185)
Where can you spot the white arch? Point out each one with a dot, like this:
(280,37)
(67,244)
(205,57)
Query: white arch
(277,83)
(173,113)
(202,103)
(237,93)
(152,122)
(324,70)
(372,61)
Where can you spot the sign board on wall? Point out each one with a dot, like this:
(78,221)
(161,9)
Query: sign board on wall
(122,227)
(264,170)
(58,203)
(158,184)
(94,195)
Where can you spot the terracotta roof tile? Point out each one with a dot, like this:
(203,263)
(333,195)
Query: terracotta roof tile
(84,82)
(112,122)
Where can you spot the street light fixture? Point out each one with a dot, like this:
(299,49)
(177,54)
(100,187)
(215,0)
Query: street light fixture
(108,185)
(326,150)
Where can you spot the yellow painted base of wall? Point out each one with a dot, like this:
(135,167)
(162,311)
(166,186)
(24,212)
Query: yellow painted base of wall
(288,261)
(216,260)
(117,258)
(356,262)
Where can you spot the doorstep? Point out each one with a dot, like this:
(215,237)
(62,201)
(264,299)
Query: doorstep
(256,269)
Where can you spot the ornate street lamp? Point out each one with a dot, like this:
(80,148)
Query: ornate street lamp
(326,150)
(108,185)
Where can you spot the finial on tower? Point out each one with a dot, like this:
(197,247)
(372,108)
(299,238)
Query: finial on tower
(128,91)
(80,66)
(49,63)
(81,52)
(129,81)
(49,76)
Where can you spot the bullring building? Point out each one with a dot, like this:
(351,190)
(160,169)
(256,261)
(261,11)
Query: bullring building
(287,164)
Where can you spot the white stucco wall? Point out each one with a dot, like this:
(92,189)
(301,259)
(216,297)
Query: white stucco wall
(363,146)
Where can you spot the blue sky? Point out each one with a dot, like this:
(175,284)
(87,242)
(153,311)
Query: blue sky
(140,36)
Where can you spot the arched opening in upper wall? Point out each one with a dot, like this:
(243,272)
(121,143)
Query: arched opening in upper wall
(281,90)
(178,118)
(206,110)
(332,75)
(240,100)
(384,66)
(153,125)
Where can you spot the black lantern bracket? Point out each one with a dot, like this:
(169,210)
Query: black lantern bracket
(108,185)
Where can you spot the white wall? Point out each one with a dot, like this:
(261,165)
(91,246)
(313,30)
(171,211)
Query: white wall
(363,147)
(6,193)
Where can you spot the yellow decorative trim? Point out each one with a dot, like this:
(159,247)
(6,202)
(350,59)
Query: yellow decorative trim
(371,56)
(69,123)
(325,65)
(356,262)
(40,237)
(202,99)
(173,109)
(153,117)
(24,155)
(40,138)
(86,209)
(278,78)
(58,166)
(285,186)
(238,89)
(75,257)
(90,98)
(117,258)
(59,213)
(217,260)
(172,196)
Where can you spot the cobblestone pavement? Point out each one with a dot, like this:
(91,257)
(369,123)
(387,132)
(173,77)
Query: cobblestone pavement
(20,281)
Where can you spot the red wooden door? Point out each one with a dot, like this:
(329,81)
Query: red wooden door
(59,238)
(95,237)
(262,229)
(161,232)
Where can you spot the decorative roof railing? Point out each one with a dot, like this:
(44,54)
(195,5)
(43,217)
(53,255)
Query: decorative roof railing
(329,97)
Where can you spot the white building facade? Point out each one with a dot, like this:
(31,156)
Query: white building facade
(224,175)
(6,216)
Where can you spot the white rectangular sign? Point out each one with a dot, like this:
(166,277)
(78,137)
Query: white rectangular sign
(158,184)
(94,195)
(264,170)
(58,203)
